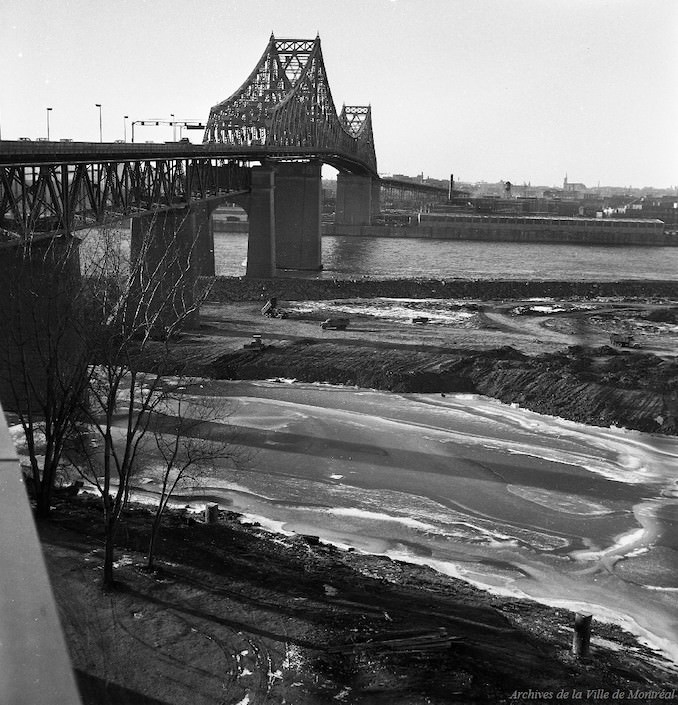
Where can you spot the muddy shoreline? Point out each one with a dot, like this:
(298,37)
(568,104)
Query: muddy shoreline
(228,289)
(590,381)
(597,386)
(234,610)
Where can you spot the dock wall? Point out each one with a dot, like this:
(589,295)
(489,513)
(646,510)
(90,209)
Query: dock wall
(605,233)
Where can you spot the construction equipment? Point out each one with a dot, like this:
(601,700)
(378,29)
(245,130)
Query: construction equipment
(335,323)
(255,343)
(623,340)
(270,309)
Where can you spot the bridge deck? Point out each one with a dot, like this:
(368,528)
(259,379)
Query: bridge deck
(26,153)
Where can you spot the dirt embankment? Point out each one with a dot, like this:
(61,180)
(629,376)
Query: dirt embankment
(295,289)
(234,614)
(600,386)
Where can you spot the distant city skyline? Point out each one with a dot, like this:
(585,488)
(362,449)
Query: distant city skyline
(524,91)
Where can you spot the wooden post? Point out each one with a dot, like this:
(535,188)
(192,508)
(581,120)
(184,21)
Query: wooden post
(211,513)
(582,635)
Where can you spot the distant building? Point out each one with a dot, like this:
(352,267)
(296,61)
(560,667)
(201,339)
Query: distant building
(573,190)
(230,219)
(231,214)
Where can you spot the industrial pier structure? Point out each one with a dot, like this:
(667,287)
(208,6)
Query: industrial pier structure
(519,228)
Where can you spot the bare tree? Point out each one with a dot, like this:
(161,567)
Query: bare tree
(135,309)
(190,436)
(43,352)
(88,351)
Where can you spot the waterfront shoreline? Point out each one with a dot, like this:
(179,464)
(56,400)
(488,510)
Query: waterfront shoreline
(232,587)
(293,287)
(551,230)
(547,361)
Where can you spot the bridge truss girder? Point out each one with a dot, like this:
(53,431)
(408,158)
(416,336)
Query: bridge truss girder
(58,198)
(406,194)
(287,102)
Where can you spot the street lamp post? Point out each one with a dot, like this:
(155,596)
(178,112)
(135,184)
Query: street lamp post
(101,132)
(174,128)
(48,110)
(124,126)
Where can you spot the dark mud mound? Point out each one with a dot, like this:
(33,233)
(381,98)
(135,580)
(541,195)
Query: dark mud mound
(596,386)
(296,289)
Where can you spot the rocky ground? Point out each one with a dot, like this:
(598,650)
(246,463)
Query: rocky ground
(239,616)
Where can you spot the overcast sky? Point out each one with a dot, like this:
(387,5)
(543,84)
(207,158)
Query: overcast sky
(520,90)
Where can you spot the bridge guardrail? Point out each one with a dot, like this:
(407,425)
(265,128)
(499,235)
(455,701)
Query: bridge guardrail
(17,153)
(35,668)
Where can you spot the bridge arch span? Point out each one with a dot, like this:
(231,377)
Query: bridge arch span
(286,102)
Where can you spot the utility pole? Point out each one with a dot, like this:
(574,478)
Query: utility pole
(101,132)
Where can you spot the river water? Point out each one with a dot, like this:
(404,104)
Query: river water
(356,257)
(504,498)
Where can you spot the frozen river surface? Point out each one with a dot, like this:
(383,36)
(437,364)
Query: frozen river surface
(510,500)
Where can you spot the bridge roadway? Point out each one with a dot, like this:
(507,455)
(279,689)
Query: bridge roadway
(60,187)
(27,153)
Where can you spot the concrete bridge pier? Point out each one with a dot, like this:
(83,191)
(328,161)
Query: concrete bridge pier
(260,207)
(41,332)
(298,206)
(284,207)
(376,198)
(165,265)
(355,196)
(200,214)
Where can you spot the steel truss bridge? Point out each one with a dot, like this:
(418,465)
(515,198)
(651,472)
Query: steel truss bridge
(60,188)
(394,191)
(286,102)
(283,112)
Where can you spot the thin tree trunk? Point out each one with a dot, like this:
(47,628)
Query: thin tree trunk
(151,548)
(109,529)
(42,505)
(43,496)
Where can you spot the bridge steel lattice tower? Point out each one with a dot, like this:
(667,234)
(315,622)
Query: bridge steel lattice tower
(286,106)
(358,195)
